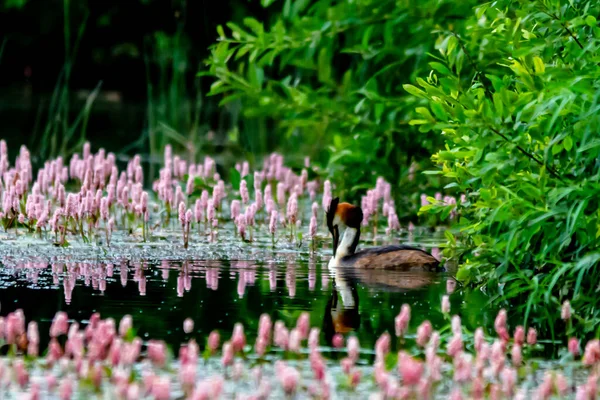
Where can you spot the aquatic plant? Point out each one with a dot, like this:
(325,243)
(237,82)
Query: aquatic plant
(108,359)
(89,197)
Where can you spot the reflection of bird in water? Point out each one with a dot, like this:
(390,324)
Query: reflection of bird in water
(400,257)
(341,316)
(342,310)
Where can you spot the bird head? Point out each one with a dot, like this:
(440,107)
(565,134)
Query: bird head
(344,214)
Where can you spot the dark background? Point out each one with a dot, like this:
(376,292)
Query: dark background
(117,36)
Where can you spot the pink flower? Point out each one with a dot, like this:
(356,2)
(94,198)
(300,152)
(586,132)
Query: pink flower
(517,357)
(182,213)
(326,195)
(424,333)
(346,363)
(355,378)
(591,354)
(456,394)
(294,342)
(281,335)
(188,325)
(66,389)
(21,373)
(337,341)
(519,335)
(382,346)
(161,388)
(561,383)
(289,378)
(187,375)
(313,338)
(292,209)
(157,352)
(238,338)
(574,346)
(531,336)
(410,369)
(303,325)
(456,325)
(455,346)
(60,324)
(312,228)
(479,339)
(565,312)
(227,358)
(446,304)
(244,192)
(402,320)
(264,327)
(125,325)
(462,369)
(353,347)
(273,222)
(508,378)
(500,323)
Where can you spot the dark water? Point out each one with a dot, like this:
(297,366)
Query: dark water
(163,285)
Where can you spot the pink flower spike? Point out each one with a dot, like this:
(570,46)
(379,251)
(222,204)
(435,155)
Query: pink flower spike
(531,336)
(446,304)
(353,347)
(125,325)
(188,325)
(519,335)
(213,341)
(402,320)
(424,333)
(238,338)
(60,324)
(565,312)
(410,369)
(227,358)
(574,346)
(337,341)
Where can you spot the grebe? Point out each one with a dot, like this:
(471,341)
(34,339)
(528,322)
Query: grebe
(398,257)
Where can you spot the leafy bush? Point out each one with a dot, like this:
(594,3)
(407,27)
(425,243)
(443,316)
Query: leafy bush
(324,78)
(516,97)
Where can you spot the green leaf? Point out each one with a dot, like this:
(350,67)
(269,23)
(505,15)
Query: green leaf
(234,178)
(538,65)
(557,148)
(568,143)
(425,113)
(441,68)
(415,91)
(590,20)
(439,111)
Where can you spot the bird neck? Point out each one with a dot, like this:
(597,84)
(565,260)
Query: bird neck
(346,290)
(348,243)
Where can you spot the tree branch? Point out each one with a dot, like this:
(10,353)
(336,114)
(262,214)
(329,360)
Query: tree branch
(551,170)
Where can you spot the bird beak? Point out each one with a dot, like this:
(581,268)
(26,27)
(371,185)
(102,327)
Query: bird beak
(336,238)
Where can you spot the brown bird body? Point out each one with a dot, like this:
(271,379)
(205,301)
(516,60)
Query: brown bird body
(401,257)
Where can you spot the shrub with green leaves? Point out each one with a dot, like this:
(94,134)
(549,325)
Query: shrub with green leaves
(325,79)
(516,97)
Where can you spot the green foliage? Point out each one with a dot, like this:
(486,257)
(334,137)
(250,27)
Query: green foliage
(8,4)
(516,96)
(325,79)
